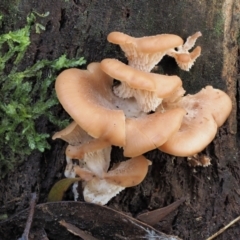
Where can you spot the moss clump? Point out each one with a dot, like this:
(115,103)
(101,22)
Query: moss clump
(24,97)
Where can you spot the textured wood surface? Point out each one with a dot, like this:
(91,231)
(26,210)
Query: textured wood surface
(79,28)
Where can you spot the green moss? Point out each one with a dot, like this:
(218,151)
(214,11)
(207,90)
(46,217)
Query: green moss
(25,97)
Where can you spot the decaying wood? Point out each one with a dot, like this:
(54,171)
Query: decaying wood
(80,28)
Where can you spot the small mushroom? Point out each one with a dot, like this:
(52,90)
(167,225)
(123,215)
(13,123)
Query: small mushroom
(145,52)
(148,88)
(129,173)
(206,111)
(125,174)
(184,59)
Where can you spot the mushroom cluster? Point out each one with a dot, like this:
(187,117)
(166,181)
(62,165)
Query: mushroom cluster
(144,112)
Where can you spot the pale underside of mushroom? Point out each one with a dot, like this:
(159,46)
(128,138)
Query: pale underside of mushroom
(99,184)
(136,51)
(125,174)
(147,88)
(93,156)
(100,191)
(94,152)
(148,101)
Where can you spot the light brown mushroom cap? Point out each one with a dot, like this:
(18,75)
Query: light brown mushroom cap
(145,52)
(147,88)
(151,44)
(206,111)
(129,173)
(86,95)
(149,132)
(162,85)
(186,60)
(73,134)
(77,152)
(183,57)
(192,137)
(79,141)
(218,102)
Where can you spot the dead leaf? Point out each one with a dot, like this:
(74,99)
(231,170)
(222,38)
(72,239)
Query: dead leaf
(59,188)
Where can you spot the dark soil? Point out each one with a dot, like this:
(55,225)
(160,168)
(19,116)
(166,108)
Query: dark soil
(79,28)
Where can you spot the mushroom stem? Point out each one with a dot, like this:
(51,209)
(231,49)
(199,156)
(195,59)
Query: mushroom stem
(147,88)
(148,101)
(95,161)
(125,174)
(145,62)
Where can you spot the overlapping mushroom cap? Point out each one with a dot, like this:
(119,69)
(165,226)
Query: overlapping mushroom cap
(148,88)
(149,132)
(206,111)
(98,116)
(87,96)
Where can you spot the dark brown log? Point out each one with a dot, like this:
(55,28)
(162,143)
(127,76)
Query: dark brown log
(79,28)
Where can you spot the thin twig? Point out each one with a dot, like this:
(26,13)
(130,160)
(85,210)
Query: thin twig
(224,228)
(32,205)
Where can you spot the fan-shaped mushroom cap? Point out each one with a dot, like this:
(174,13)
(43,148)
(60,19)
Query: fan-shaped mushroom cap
(145,52)
(206,111)
(86,95)
(79,141)
(147,88)
(151,131)
(150,44)
(129,173)
(73,134)
(162,85)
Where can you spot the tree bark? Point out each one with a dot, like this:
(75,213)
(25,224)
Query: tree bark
(79,28)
